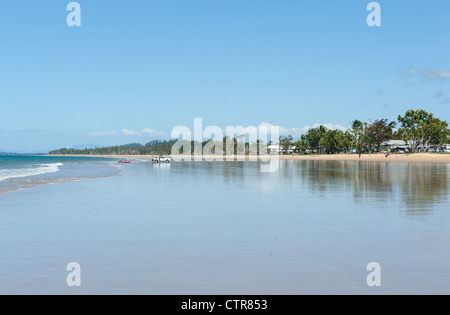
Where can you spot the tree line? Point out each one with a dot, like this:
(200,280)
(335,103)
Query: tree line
(418,128)
(155,147)
(164,147)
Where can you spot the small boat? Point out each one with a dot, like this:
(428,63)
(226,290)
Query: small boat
(124,162)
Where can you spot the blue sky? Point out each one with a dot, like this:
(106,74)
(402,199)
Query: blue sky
(136,69)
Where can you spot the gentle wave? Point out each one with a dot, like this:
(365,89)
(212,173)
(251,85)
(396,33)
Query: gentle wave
(37,169)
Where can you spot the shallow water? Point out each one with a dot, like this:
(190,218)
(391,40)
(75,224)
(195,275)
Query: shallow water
(227,228)
(22,172)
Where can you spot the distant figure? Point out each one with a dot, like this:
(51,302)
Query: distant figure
(387,154)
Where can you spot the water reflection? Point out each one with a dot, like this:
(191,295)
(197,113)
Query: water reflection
(423,186)
(412,188)
(418,186)
(364,179)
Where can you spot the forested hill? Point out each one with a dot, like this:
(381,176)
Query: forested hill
(152,148)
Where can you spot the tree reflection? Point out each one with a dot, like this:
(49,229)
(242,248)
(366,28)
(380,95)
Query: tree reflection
(413,188)
(417,186)
(423,186)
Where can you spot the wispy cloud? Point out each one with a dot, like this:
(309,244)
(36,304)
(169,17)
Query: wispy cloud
(445,100)
(101,133)
(379,91)
(439,94)
(440,74)
(128,132)
(426,74)
(296,132)
(153,133)
(147,132)
(410,72)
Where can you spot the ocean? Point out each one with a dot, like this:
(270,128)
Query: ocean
(312,227)
(21,172)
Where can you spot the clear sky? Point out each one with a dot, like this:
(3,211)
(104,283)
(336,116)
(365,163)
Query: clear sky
(137,68)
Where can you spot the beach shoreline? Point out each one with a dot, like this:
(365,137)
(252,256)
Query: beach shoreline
(376,157)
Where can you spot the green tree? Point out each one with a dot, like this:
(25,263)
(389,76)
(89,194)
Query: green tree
(380,131)
(360,139)
(437,133)
(422,128)
(301,146)
(313,138)
(331,141)
(347,141)
(286,143)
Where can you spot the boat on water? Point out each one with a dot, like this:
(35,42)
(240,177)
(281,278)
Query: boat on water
(124,162)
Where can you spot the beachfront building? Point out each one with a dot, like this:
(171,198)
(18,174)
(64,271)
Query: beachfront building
(278,149)
(397,145)
(406,146)
(275,149)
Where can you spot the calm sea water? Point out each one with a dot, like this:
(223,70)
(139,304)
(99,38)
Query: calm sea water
(227,228)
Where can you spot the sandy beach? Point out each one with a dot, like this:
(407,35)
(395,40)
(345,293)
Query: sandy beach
(412,158)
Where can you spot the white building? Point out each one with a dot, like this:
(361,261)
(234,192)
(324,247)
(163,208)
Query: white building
(278,149)
(397,144)
(275,149)
(407,145)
